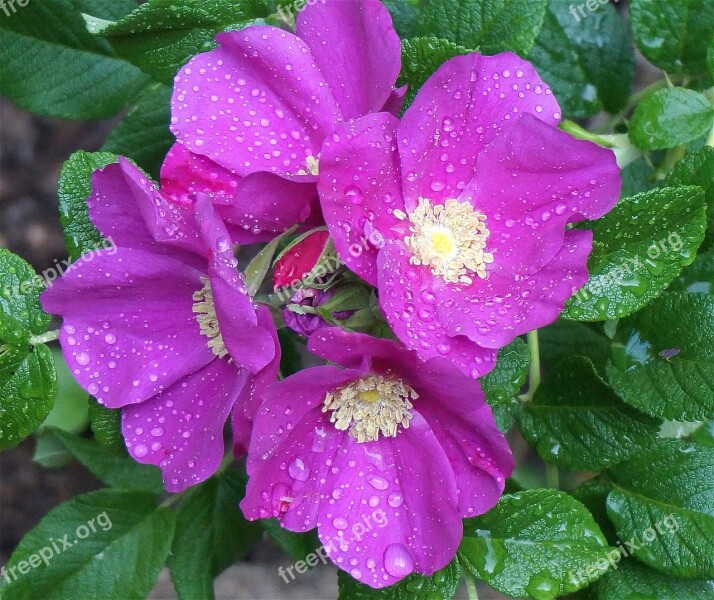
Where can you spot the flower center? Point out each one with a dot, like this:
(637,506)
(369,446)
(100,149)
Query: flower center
(207,320)
(449,238)
(312,166)
(371,406)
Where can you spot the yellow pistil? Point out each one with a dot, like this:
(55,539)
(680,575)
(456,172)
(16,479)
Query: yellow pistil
(449,238)
(207,320)
(371,406)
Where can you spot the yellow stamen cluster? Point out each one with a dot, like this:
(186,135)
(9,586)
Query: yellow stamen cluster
(313,166)
(207,320)
(449,238)
(371,406)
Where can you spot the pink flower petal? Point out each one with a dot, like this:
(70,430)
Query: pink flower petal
(470,101)
(493,311)
(360,190)
(356,49)
(251,395)
(249,344)
(385,514)
(408,297)
(127,208)
(249,205)
(129,330)
(530,183)
(181,429)
(275,105)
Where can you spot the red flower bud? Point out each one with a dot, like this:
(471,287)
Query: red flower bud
(297,261)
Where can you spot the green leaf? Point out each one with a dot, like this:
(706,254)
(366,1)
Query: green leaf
(639,248)
(116,470)
(664,501)
(421,57)
(107,544)
(674,36)
(440,586)
(588,62)
(697,168)
(593,493)
(52,65)
(704,435)
(405,14)
(634,581)
(492,26)
(671,345)
(106,426)
(637,177)
(144,135)
(670,117)
(70,410)
(27,392)
(564,339)
(697,277)
(502,385)
(161,35)
(75,185)
(211,534)
(111,11)
(20,312)
(295,545)
(536,543)
(576,422)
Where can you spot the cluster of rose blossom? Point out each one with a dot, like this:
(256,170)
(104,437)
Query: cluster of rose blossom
(470,195)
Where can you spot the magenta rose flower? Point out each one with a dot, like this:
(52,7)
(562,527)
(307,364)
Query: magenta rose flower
(384,456)
(460,213)
(160,324)
(252,115)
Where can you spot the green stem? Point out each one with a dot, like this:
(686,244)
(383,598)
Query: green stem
(534,374)
(471,586)
(635,99)
(50,336)
(552,478)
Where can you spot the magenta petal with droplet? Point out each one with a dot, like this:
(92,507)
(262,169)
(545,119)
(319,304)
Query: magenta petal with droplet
(356,49)
(255,208)
(384,508)
(386,513)
(530,183)
(360,189)
(127,208)
(265,81)
(469,102)
(493,311)
(129,330)
(180,430)
(251,395)
(408,297)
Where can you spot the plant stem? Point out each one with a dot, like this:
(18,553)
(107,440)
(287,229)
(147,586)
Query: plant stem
(635,99)
(552,478)
(471,586)
(534,374)
(50,336)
